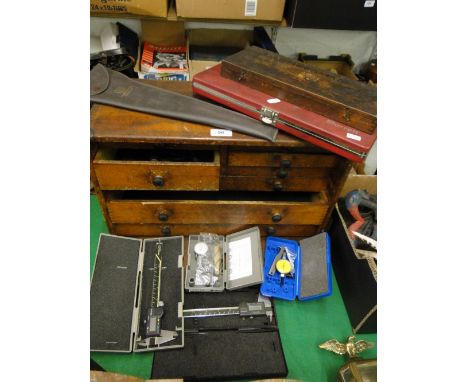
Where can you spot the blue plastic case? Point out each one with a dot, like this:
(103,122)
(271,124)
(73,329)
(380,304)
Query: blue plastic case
(317,259)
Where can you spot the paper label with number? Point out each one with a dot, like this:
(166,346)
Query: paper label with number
(220,133)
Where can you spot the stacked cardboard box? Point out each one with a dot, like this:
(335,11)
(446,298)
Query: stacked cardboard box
(155,8)
(265,10)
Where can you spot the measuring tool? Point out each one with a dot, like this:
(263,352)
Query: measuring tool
(155,311)
(245,309)
(283,264)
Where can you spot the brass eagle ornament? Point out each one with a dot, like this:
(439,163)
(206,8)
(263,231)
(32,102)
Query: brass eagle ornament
(356,369)
(351,348)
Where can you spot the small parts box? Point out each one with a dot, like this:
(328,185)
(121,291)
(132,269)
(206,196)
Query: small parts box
(309,275)
(216,263)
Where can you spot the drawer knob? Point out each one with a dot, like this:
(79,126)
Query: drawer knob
(276,218)
(158,181)
(163,216)
(285,163)
(270,230)
(278,186)
(166,231)
(282,173)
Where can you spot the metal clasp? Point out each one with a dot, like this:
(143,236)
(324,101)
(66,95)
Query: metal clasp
(268,116)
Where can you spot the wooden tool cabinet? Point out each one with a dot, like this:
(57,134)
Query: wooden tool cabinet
(156,176)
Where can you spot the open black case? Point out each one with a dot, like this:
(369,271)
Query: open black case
(121,293)
(225,347)
(200,348)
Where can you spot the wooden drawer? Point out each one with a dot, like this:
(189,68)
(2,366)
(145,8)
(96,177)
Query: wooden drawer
(262,183)
(280,173)
(136,170)
(220,229)
(264,171)
(222,208)
(284,160)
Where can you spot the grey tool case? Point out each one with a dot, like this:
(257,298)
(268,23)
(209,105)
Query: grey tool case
(122,289)
(241,262)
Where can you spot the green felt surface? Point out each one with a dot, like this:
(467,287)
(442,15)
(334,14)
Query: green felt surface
(303,326)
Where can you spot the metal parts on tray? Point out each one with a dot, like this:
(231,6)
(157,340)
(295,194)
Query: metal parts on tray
(283,263)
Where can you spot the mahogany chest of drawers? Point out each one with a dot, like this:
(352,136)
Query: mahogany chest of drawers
(157,176)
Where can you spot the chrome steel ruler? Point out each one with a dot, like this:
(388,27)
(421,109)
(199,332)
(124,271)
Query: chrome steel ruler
(156,311)
(245,309)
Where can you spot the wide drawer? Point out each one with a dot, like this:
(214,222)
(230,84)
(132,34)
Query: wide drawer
(221,208)
(220,229)
(282,160)
(157,170)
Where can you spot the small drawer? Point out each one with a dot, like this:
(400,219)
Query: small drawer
(262,183)
(163,169)
(281,160)
(278,172)
(156,230)
(256,208)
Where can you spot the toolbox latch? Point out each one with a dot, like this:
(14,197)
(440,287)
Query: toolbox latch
(268,116)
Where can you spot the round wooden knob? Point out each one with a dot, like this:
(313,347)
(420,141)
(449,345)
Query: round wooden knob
(276,218)
(278,186)
(163,216)
(270,230)
(158,180)
(285,163)
(282,173)
(166,231)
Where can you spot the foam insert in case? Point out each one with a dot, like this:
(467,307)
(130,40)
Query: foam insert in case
(310,277)
(122,289)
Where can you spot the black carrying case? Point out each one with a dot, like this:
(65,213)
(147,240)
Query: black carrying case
(121,289)
(357,278)
(227,347)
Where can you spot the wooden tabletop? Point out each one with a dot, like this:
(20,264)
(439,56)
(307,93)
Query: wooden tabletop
(112,124)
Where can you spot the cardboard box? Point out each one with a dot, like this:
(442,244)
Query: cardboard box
(357,181)
(267,10)
(213,38)
(199,66)
(160,32)
(155,8)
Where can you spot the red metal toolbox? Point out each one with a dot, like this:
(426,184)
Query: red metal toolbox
(307,125)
